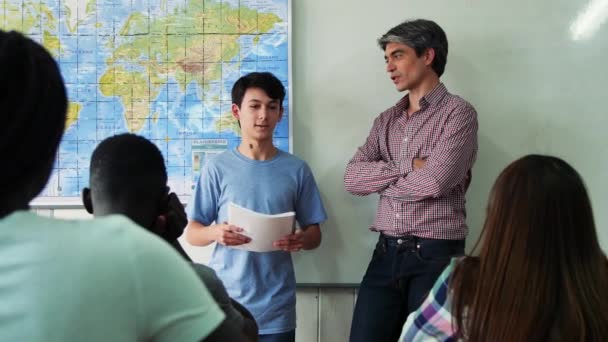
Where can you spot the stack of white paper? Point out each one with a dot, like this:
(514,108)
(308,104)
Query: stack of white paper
(263,229)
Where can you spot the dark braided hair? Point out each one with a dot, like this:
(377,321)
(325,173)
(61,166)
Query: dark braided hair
(33,103)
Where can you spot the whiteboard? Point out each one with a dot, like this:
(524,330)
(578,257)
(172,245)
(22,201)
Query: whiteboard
(539,85)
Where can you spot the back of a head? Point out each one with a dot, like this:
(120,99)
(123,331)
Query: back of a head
(420,34)
(543,272)
(266,81)
(128,176)
(34,109)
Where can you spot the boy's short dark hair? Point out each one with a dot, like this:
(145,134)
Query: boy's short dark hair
(263,80)
(420,34)
(127,167)
(34,105)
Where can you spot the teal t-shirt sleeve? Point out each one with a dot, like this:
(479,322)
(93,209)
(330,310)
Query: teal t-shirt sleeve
(173,304)
(203,204)
(309,206)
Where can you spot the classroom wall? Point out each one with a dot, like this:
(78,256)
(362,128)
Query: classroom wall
(538,85)
(534,70)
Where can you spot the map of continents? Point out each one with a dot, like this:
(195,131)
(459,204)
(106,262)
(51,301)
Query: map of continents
(158,68)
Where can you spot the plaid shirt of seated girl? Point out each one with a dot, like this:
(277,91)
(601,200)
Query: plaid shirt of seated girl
(433,320)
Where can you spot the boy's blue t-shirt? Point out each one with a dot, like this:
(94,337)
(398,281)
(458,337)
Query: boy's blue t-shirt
(263,282)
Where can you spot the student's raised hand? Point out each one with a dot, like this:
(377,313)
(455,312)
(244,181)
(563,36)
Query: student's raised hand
(176,217)
(172,219)
(291,243)
(229,235)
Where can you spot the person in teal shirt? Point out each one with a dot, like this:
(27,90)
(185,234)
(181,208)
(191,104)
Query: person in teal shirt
(99,280)
(128,176)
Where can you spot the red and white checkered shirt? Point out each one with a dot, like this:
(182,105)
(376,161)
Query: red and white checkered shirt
(428,202)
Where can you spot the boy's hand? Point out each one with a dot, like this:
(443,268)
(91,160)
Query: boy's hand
(228,235)
(291,243)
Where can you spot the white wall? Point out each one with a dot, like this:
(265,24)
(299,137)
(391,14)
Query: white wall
(536,89)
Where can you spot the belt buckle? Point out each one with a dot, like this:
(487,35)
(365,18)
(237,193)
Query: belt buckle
(408,243)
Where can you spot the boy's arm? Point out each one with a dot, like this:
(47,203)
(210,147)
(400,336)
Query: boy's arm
(203,208)
(198,234)
(307,238)
(311,238)
(309,213)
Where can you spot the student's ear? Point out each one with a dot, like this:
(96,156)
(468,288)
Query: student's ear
(235,111)
(86,200)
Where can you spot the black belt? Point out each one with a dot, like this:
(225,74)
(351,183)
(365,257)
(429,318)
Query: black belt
(400,239)
(411,242)
(405,242)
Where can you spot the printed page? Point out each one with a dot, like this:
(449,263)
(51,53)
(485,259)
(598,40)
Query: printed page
(263,229)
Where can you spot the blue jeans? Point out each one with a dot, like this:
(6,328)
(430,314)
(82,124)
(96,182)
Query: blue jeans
(399,277)
(289,336)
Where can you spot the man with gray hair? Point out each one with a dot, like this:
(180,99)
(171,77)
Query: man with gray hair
(418,158)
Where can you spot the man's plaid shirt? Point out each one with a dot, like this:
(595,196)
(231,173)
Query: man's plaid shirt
(428,202)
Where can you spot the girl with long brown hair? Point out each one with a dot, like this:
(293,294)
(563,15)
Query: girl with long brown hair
(540,274)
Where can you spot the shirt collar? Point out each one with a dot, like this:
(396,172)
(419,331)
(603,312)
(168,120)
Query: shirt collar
(431,98)
(434,96)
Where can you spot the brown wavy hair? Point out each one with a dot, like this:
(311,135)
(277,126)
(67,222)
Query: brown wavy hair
(540,274)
